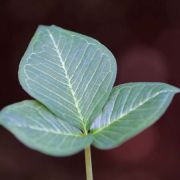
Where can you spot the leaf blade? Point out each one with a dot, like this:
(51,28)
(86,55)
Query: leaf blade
(131,108)
(40,130)
(70,73)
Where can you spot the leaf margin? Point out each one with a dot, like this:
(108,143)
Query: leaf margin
(30,51)
(31,144)
(95,131)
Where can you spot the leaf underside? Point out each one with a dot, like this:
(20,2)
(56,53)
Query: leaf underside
(69,73)
(71,77)
(38,128)
(131,108)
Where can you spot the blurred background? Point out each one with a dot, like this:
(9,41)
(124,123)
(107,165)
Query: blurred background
(145,39)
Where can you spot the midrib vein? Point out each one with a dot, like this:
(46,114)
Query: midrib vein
(69,82)
(130,110)
(45,130)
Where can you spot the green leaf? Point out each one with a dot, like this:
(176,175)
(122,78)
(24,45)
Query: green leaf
(39,129)
(130,109)
(71,74)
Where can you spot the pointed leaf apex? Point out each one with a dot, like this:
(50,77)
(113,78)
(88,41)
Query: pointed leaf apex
(70,73)
(131,108)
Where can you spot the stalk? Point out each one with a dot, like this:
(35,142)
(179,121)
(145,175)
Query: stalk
(88,164)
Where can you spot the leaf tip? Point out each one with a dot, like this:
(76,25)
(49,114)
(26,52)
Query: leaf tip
(172,88)
(43,27)
(176,90)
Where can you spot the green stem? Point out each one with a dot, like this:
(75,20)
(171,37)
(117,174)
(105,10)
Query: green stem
(88,163)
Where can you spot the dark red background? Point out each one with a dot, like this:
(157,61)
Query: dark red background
(144,35)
